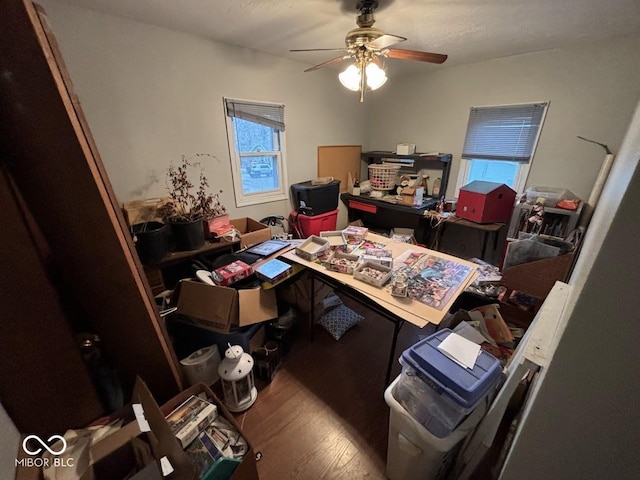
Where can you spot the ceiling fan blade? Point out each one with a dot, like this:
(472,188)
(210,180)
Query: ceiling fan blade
(327,63)
(415,55)
(319,50)
(385,41)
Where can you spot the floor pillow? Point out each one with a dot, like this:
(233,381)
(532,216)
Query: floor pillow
(338,320)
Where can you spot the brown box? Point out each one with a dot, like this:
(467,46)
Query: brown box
(114,456)
(247,470)
(251,231)
(412,196)
(139,211)
(217,308)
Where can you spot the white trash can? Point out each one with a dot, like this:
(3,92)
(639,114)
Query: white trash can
(413,452)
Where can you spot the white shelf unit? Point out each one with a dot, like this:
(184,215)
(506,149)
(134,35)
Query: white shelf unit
(557,222)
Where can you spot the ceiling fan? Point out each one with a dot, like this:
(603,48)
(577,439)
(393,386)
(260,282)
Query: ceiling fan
(366,46)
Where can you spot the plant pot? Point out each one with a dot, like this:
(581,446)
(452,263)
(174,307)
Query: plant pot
(187,235)
(151,241)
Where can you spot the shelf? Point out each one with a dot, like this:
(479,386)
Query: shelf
(568,224)
(421,161)
(379,154)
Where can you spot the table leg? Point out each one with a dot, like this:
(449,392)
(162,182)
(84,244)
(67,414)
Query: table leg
(485,240)
(397,325)
(312,311)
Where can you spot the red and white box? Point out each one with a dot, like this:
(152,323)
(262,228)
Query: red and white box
(352,234)
(229,274)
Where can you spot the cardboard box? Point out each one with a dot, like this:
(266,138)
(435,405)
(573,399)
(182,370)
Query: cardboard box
(218,308)
(251,231)
(412,196)
(405,148)
(246,470)
(114,456)
(139,211)
(405,235)
(190,418)
(354,234)
(312,248)
(231,273)
(273,270)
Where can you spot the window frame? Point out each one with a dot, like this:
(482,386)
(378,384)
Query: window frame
(244,199)
(523,167)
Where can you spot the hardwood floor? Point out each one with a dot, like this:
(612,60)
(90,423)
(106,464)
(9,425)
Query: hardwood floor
(324,416)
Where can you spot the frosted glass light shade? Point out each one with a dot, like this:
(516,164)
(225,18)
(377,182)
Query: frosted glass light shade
(376,77)
(350,78)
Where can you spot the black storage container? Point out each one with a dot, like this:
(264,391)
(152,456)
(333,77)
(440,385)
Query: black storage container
(315,199)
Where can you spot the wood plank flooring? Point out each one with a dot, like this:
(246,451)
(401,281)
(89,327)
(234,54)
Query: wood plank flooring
(324,416)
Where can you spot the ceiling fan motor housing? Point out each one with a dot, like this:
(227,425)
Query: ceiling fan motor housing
(361,36)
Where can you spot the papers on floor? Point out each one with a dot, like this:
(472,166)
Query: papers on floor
(460,350)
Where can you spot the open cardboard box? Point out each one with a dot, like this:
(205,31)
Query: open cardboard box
(218,308)
(251,231)
(114,457)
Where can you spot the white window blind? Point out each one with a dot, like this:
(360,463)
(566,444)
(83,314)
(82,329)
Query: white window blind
(267,114)
(503,132)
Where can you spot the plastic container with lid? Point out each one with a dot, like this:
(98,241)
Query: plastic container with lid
(550,195)
(438,392)
(414,452)
(313,200)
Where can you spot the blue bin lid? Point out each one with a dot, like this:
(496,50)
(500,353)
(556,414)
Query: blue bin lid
(465,386)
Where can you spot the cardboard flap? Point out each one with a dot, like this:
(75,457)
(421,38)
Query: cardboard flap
(217,305)
(167,445)
(256,305)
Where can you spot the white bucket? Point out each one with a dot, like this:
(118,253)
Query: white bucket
(202,366)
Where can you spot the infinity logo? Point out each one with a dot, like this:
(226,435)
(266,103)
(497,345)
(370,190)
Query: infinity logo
(51,440)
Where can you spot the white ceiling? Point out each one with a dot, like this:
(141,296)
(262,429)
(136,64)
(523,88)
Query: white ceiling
(467,30)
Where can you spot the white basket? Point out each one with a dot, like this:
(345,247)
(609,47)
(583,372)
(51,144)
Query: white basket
(383,177)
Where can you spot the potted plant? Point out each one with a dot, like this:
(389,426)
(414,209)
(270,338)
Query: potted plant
(188,207)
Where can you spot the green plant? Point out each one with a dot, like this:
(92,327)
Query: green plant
(185,204)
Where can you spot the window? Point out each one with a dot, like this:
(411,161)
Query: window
(500,143)
(257,149)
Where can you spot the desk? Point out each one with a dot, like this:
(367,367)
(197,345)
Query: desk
(487,229)
(376,213)
(397,310)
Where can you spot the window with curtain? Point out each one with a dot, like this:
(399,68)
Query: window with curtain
(255,131)
(500,143)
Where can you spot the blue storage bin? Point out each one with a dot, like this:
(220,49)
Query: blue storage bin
(438,392)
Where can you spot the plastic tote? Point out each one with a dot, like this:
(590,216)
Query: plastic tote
(437,391)
(413,452)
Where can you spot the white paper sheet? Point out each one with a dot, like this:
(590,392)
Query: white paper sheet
(459,349)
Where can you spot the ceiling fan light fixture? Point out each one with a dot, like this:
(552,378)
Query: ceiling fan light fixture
(376,76)
(350,78)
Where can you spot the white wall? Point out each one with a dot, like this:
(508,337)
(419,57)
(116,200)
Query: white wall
(592,89)
(584,422)
(9,442)
(151,95)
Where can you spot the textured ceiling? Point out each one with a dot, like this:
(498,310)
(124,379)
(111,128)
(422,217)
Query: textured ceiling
(467,30)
